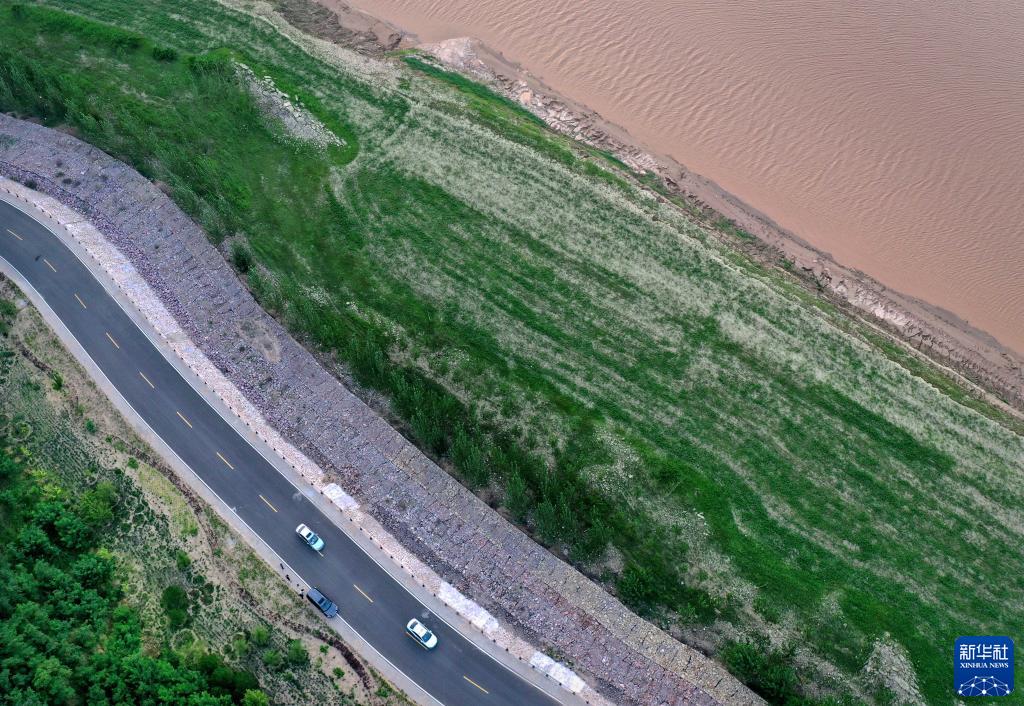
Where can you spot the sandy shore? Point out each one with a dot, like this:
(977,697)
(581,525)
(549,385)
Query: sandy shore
(973,355)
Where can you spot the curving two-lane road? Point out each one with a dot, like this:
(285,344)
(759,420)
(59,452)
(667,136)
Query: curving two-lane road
(374,604)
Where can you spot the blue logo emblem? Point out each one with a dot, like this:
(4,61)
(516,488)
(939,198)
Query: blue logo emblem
(983,666)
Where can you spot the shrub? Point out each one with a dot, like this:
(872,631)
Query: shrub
(427,430)
(182,560)
(57,380)
(591,544)
(545,518)
(165,54)
(241,256)
(469,458)
(260,636)
(297,655)
(636,587)
(8,309)
(96,507)
(766,670)
(517,498)
(225,680)
(273,659)
(213,64)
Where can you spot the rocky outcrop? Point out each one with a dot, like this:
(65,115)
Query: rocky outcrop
(435,519)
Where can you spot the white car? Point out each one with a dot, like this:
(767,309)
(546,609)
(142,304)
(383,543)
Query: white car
(310,537)
(418,631)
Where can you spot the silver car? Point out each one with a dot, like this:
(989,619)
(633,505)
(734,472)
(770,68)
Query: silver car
(310,537)
(419,632)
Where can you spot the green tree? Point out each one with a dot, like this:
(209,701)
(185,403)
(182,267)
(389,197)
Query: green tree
(175,604)
(64,635)
(52,680)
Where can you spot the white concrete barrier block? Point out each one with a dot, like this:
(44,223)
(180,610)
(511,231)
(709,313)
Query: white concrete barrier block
(557,671)
(334,493)
(466,608)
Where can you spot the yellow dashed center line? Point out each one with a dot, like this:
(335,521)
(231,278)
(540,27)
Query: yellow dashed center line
(112,340)
(49,265)
(225,461)
(268,503)
(14,234)
(475,684)
(182,416)
(364,593)
(80,301)
(143,376)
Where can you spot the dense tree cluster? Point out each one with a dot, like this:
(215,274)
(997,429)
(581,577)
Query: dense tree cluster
(65,635)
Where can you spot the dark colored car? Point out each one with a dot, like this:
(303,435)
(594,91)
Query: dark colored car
(325,604)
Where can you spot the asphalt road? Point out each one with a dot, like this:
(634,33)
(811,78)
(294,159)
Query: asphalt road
(456,673)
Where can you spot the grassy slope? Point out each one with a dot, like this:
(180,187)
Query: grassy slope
(753,457)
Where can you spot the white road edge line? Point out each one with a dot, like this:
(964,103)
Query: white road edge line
(384,568)
(212,491)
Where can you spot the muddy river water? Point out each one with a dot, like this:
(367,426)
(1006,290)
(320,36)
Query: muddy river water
(887,132)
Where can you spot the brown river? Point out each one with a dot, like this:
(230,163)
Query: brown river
(887,132)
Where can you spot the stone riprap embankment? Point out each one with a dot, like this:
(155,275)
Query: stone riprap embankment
(452,542)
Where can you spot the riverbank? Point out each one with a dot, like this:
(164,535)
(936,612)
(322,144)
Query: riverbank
(724,451)
(935,332)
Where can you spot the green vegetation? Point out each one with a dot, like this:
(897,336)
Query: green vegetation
(175,603)
(65,637)
(241,257)
(104,596)
(260,636)
(730,228)
(766,670)
(712,442)
(297,654)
